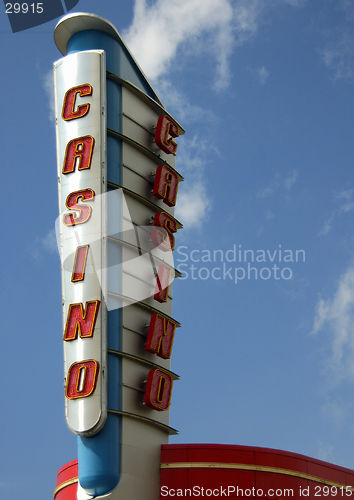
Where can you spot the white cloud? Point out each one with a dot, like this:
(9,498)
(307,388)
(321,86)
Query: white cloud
(178,103)
(347,196)
(345,202)
(325,451)
(296,3)
(327,226)
(348,8)
(47,243)
(48,85)
(162,28)
(193,202)
(337,412)
(269,190)
(214,26)
(337,315)
(338,57)
(193,205)
(278,183)
(289,181)
(262,75)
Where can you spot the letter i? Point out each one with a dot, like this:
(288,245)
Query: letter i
(80,263)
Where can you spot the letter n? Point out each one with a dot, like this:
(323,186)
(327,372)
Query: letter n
(81,321)
(160,336)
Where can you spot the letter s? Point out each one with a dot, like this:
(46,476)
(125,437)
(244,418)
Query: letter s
(164,491)
(84,210)
(179,251)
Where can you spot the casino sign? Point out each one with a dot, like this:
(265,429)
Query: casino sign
(118,186)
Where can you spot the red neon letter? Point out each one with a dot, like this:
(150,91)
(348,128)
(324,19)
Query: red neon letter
(160,336)
(69,112)
(84,210)
(166,185)
(81,148)
(166,127)
(158,390)
(163,281)
(82,378)
(159,238)
(80,321)
(80,263)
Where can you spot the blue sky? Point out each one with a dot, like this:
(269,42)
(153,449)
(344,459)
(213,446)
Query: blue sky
(265,92)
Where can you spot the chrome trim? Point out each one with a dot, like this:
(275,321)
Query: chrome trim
(144,361)
(171,431)
(140,198)
(153,156)
(144,306)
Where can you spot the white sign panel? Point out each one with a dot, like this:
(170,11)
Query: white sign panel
(80,100)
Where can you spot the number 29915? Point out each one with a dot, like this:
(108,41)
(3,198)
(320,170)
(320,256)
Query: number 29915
(333,491)
(17,8)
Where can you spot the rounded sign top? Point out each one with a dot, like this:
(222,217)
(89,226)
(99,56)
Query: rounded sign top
(81,21)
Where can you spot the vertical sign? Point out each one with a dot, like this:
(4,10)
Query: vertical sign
(80,96)
(116,215)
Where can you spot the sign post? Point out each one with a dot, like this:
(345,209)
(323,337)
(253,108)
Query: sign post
(116,148)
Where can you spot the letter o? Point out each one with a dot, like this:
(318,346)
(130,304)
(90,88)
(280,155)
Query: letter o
(81,379)
(158,390)
(291,273)
(269,273)
(200,273)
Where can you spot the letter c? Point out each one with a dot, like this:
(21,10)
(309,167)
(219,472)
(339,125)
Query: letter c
(166,127)
(69,112)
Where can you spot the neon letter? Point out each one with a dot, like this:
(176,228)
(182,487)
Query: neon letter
(80,263)
(166,185)
(81,148)
(163,281)
(84,210)
(158,390)
(69,112)
(166,127)
(80,321)
(82,378)
(159,238)
(160,336)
